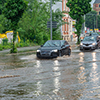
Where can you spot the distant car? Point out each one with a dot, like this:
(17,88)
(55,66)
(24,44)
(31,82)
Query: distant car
(87,34)
(53,49)
(82,37)
(94,34)
(88,43)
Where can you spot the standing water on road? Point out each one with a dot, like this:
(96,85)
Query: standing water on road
(24,77)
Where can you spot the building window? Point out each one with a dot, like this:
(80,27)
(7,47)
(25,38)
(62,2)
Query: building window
(99,5)
(96,5)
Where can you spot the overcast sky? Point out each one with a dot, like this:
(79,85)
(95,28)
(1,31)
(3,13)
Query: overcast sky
(59,5)
(92,2)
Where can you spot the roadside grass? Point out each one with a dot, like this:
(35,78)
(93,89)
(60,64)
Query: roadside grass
(4,46)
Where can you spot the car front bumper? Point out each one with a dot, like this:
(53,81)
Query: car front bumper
(89,47)
(47,55)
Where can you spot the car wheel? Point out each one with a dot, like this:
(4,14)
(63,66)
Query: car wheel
(69,52)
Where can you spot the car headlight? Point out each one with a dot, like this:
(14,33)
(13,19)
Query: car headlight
(55,50)
(81,43)
(38,50)
(93,43)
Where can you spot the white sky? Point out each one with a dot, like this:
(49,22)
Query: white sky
(59,4)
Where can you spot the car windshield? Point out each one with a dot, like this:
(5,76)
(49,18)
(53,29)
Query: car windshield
(89,39)
(52,44)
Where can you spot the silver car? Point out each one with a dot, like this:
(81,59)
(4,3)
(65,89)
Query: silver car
(88,43)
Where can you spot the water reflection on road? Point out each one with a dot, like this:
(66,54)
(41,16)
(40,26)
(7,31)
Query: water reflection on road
(24,77)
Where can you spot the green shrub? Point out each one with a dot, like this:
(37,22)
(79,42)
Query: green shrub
(6,46)
(1,47)
(5,41)
(17,44)
(27,43)
(13,51)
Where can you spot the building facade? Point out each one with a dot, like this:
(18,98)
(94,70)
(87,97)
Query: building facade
(96,6)
(66,28)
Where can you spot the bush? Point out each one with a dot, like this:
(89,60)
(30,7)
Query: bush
(27,43)
(5,41)
(1,47)
(6,46)
(13,51)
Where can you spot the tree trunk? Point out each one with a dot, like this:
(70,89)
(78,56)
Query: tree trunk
(14,49)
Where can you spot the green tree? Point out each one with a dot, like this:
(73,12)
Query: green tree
(98,22)
(90,19)
(2,5)
(57,16)
(78,8)
(2,19)
(13,11)
(34,20)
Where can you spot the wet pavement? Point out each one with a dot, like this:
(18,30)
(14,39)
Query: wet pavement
(24,77)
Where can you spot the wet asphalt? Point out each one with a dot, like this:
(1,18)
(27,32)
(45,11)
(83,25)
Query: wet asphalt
(24,77)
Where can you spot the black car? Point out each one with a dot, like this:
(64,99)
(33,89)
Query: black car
(88,43)
(53,49)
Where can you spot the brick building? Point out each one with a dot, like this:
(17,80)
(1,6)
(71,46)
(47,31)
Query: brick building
(67,28)
(96,6)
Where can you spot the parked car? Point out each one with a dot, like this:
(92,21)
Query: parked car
(53,49)
(88,43)
(82,37)
(87,34)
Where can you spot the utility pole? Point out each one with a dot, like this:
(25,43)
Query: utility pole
(51,17)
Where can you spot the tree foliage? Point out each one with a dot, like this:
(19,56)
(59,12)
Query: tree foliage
(78,8)
(13,11)
(98,22)
(92,20)
(2,2)
(34,22)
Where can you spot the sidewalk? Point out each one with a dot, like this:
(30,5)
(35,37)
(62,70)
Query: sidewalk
(34,48)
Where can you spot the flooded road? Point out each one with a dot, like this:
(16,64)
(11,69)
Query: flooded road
(24,77)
